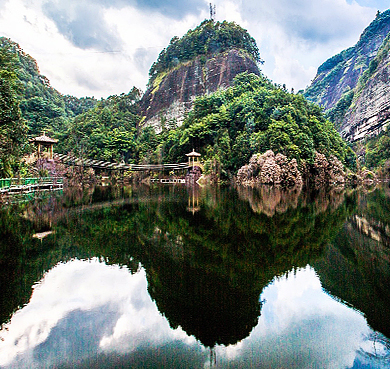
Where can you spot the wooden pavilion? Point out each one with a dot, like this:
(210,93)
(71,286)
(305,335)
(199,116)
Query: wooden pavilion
(44,142)
(193,159)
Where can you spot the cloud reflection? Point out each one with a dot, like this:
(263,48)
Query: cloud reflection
(300,327)
(82,308)
(85,309)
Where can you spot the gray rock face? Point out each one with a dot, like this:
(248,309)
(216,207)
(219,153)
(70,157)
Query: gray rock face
(369,113)
(171,95)
(341,73)
(345,76)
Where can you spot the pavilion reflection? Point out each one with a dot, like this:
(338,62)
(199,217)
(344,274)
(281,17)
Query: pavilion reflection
(193,199)
(206,268)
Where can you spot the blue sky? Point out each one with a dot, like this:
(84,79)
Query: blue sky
(101,47)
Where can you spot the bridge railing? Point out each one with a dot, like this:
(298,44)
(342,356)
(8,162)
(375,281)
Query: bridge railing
(105,165)
(8,183)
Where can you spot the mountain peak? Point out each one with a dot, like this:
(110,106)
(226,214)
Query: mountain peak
(340,73)
(203,60)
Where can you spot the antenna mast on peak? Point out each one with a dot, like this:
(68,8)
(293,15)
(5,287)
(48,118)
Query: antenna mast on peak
(212,11)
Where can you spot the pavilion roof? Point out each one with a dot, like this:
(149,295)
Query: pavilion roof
(193,153)
(43,139)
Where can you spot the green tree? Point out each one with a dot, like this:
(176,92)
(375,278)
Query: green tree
(254,116)
(12,128)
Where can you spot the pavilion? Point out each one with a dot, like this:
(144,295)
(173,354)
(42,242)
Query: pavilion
(193,159)
(44,142)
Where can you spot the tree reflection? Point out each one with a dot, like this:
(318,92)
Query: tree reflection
(356,266)
(228,255)
(205,269)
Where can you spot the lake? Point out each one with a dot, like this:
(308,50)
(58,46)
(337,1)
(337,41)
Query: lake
(176,277)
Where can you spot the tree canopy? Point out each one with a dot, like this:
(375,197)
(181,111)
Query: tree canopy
(42,106)
(12,127)
(208,38)
(253,116)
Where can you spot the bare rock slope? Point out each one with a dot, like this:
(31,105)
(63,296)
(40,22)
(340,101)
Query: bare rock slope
(369,113)
(341,73)
(170,96)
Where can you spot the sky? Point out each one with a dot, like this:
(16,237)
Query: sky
(105,47)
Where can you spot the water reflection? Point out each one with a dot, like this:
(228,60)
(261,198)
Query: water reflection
(356,265)
(85,312)
(85,308)
(160,284)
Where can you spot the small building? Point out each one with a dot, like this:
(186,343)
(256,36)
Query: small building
(44,144)
(195,167)
(193,159)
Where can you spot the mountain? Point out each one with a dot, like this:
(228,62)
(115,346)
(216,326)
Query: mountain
(205,92)
(42,106)
(336,81)
(202,61)
(369,112)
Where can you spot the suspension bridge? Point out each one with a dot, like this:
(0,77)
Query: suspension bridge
(28,185)
(105,165)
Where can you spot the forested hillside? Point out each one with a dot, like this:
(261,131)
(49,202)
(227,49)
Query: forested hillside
(12,126)
(254,116)
(248,115)
(208,38)
(204,60)
(353,87)
(109,131)
(43,107)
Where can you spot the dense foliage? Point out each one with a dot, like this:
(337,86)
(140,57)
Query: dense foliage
(110,131)
(337,113)
(253,116)
(43,107)
(378,150)
(12,128)
(208,38)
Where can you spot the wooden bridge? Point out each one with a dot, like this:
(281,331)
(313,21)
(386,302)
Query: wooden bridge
(105,165)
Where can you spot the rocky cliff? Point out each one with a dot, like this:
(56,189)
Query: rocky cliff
(369,113)
(341,73)
(171,94)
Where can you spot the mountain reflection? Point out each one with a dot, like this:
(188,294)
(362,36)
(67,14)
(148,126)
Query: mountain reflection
(205,269)
(356,265)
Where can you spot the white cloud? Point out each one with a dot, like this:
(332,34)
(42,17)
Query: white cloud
(294,37)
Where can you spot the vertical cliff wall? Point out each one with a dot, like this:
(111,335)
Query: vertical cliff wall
(171,95)
(341,73)
(369,113)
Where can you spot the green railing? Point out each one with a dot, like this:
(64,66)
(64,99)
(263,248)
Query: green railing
(5,182)
(13,182)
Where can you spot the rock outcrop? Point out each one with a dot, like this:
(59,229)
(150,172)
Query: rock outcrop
(269,168)
(171,95)
(272,169)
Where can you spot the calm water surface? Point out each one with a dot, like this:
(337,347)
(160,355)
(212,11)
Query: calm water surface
(169,277)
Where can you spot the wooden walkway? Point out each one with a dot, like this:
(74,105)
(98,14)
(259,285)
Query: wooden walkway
(11,186)
(101,164)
